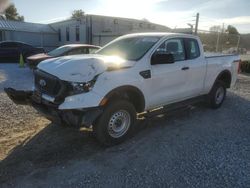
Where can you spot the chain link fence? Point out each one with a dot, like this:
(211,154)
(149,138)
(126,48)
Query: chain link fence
(221,42)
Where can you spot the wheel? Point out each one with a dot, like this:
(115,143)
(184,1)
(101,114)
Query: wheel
(217,95)
(116,123)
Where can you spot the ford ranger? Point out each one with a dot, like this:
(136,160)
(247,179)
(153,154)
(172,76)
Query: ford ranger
(134,74)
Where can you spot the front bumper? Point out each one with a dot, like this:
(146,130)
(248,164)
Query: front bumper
(81,117)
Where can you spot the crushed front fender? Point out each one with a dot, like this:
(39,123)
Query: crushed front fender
(77,117)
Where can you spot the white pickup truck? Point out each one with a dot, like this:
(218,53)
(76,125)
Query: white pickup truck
(133,74)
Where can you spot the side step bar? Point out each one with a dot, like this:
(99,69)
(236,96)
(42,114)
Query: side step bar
(19,96)
(175,107)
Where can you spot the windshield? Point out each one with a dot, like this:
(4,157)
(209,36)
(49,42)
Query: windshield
(59,51)
(130,48)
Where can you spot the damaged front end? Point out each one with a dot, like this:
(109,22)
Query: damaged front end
(62,90)
(75,118)
(19,97)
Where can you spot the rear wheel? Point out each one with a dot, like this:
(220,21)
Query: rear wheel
(116,123)
(217,95)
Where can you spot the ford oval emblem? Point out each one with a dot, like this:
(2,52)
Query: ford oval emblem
(42,83)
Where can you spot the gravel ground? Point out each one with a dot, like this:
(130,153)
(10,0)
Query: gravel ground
(198,147)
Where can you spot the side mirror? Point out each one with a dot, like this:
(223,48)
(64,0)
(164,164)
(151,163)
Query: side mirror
(162,58)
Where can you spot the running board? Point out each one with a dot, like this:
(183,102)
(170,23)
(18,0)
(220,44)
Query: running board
(174,107)
(19,96)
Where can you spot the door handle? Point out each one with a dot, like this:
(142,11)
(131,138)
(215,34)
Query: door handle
(185,68)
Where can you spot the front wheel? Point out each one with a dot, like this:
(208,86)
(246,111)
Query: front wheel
(217,95)
(116,123)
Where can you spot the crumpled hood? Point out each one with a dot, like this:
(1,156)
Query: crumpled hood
(82,68)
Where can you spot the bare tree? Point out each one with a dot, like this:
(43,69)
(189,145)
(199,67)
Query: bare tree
(215,28)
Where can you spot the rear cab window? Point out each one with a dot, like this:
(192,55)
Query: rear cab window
(192,48)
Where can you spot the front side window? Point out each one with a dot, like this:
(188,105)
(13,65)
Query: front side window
(59,51)
(192,47)
(131,48)
(26,46)
(175,47)
(84,50)
(9,45)
(75,51)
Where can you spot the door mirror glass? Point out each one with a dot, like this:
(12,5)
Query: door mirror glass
(162,58)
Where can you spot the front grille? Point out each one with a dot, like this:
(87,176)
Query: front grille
(48,84)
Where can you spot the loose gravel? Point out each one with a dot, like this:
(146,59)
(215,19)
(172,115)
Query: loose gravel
(198,147)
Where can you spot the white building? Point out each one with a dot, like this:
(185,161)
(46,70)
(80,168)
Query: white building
(99,30)
(90,29)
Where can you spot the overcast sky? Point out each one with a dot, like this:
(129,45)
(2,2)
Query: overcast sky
(172,13)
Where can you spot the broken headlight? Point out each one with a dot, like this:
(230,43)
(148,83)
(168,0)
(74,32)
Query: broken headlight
(78,88)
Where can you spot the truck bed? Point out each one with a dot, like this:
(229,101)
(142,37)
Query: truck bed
(213,55)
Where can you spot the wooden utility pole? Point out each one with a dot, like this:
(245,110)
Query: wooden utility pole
(238,43)
(218,38)
(218,41)
(196,23)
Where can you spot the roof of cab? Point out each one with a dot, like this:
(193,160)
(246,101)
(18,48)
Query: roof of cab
(161,34)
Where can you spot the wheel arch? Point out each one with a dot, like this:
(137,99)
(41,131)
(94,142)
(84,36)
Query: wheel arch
(226,77)
(130,93)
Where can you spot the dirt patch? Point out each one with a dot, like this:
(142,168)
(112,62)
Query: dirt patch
(18,124)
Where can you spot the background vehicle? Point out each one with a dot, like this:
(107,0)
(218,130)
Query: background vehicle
(10,51)
(72,49)
(134,74)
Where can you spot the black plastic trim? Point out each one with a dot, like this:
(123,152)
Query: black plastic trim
(146,74)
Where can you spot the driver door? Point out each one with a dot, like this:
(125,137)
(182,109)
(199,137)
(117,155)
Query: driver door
(169,81)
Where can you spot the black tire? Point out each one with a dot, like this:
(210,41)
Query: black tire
(217,95)
(104,127)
